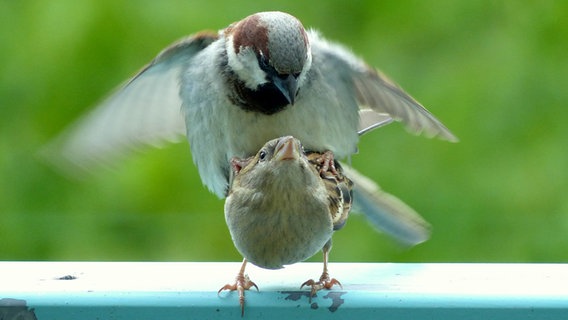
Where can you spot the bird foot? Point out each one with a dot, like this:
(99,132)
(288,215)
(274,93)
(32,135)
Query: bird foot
(242,283)
(324,282)
(326,163)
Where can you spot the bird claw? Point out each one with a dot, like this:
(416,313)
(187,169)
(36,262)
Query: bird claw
(242,283)
(327,163)
(325,282)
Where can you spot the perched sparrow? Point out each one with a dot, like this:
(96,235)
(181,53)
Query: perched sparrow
(282,208)
(258,79)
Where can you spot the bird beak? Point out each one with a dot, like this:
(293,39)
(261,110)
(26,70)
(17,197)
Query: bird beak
(288,86)
(287,149)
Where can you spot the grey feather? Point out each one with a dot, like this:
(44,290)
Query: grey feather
(146,110)
(370,120)
(385,212)
(376,92)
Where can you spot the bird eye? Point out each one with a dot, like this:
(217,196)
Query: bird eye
(296,75)
(263,63)
(262,155)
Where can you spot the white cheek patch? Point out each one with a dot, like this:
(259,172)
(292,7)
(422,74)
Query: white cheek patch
(234,63)
(245,65)
(306,69)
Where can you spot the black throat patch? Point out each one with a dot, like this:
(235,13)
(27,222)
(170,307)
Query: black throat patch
(266,99)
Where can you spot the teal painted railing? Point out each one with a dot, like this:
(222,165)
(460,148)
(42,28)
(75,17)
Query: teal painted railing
(134,290)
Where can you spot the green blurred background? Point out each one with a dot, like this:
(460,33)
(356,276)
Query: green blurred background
(494,72)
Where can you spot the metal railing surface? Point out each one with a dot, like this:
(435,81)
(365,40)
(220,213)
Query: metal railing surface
(176,290)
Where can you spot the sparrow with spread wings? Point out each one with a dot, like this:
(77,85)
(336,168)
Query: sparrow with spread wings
(229,92)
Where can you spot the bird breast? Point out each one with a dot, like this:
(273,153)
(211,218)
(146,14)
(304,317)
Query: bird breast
(273,225)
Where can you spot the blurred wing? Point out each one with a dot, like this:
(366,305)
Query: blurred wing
(380,94)
(376,93)
(385,212)
(369,120)
(144,111)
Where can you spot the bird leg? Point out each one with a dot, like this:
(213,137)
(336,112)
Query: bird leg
(324,281)
(242,283)
(327,163)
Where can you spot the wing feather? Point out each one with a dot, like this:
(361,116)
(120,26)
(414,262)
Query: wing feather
(386,212)
(376,93)
(146,110)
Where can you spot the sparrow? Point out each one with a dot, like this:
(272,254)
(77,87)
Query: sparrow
(282,208)
(230,91)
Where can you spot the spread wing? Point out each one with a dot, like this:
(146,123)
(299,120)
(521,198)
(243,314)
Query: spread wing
(146,110)
(386,212)
(377,94)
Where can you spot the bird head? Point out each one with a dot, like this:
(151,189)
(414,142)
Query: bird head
(269,49)
(280,162)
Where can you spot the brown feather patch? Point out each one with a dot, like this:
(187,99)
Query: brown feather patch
(339,189)
(251,32)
